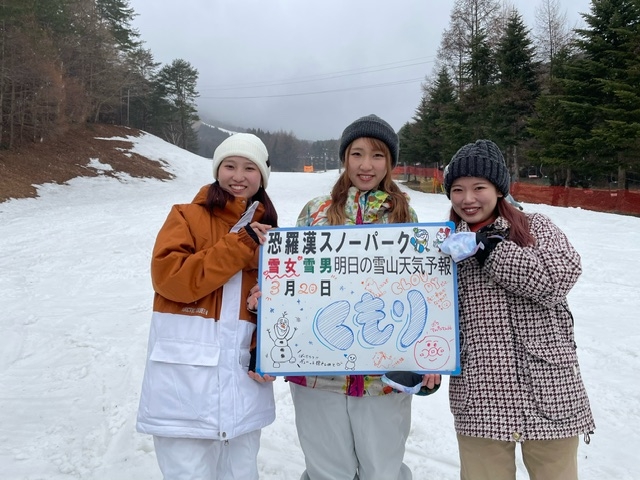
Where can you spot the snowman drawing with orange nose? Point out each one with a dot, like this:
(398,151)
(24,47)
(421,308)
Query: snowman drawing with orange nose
(281,351)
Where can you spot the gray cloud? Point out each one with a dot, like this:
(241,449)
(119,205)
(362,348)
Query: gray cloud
(368,56)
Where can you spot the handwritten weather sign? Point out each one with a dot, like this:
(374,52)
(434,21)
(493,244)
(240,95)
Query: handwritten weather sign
(357,299)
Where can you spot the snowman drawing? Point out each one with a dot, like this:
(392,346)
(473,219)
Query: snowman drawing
(281,351)
(351,362)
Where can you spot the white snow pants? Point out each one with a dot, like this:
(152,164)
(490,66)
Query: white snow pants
(352,438)
(203,459)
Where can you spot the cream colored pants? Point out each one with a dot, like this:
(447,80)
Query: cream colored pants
(486,459)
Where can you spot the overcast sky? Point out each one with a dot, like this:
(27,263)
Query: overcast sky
(306,66)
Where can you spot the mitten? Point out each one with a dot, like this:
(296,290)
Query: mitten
(405,382)
(460,245)
(463,245)
(408,382)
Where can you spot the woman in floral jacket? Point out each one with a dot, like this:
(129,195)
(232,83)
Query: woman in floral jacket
(520,379)
(354,426)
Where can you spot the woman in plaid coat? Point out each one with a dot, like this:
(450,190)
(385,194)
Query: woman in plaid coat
(520,381)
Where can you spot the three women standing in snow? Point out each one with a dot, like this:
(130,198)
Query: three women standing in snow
(520,379)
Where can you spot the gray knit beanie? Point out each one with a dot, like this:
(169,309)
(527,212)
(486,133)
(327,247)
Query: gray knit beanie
(374,127)
(480,159)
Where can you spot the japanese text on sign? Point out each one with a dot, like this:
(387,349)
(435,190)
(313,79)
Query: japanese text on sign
(357,299)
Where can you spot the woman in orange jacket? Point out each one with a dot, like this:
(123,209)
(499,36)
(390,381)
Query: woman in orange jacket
(199,400)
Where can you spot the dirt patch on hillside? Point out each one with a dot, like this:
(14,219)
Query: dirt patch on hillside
(68,156)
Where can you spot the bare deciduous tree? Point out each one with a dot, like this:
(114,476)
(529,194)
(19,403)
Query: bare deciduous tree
(469,19)
(551,34)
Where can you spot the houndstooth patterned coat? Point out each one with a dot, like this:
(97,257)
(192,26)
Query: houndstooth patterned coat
(520,378)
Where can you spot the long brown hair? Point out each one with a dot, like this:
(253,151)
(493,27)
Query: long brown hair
(217,197)
(399,204)
(519,232)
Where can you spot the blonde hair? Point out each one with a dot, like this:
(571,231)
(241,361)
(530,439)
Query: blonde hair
(400,212)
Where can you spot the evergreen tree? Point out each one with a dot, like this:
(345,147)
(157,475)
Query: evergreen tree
(476,102)
(64,62)
(441,131)
(608,88)
(138,95)
(517,89)
(118,14)
(174,102)
(554,127)
(416,133)
(410,148)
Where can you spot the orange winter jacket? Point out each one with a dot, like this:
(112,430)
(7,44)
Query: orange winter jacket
(190,284)
(195,383)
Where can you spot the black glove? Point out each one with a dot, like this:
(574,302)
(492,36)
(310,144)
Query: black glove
(252,361)
(487,238)
(252,233)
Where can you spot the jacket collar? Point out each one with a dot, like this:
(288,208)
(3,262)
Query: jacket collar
(232,211)
(373,205)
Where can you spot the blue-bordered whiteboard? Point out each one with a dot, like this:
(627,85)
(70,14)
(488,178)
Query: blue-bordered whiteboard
(357,299)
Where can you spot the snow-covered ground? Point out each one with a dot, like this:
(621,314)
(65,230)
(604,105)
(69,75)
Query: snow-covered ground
(75,301)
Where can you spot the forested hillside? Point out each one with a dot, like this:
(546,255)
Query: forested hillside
(68,62)
(562,102)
